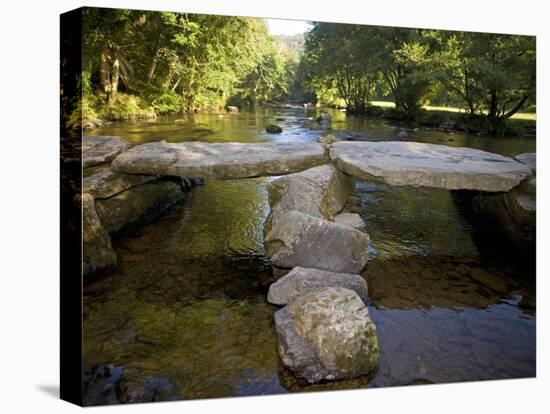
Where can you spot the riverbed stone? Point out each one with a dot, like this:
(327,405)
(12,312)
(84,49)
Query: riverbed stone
(298,231)
(429,165)
(98,253)
(301,280)
(352,220)
(108,183)
(319,191)
(273,129)
(101,149)
(295,239)
(138,204)
(492,281)
(327,334)
(222,160)
(511,215)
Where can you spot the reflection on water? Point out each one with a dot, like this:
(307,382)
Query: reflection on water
(186,306)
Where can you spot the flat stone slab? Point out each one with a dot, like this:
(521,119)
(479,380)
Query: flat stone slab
(302,280)
(528,158)
(429,165)
(101,149)
(224,160)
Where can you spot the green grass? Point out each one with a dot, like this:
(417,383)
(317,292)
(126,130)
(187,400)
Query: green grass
(384,104)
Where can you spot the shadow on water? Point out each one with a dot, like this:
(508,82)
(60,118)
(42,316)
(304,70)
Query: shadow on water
(184,315)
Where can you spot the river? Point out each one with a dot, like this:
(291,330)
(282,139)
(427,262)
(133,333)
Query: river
(186,307)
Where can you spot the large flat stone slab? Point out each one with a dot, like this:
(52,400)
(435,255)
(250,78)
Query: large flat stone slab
(224,160)
(429,165)
(101,149)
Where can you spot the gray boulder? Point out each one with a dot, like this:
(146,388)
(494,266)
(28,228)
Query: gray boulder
(320,191)
(327,334)
(350,219)
(511,215)
(137,205)
(302,280)
(295,239)
(108,183)
(101,149)
(429,165)
(298,231)
(98,253)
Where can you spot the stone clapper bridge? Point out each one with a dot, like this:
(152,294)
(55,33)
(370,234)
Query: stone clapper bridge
(324,331)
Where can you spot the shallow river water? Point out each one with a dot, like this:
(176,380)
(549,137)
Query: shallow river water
(186,308)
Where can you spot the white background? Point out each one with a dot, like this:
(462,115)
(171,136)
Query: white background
(29,207)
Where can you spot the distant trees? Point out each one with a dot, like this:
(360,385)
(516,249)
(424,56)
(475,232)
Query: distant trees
(493,74)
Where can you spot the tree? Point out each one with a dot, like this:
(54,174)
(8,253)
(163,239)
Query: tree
(338,57)
(493,73)
(404,58)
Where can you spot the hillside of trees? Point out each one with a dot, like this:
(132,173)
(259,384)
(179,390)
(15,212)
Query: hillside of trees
(139,64)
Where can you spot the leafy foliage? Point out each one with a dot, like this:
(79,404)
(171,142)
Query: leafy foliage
(140,63)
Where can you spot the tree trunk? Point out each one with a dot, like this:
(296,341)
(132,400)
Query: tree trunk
(516,108)
(115,75)
(105,70)
(153,66)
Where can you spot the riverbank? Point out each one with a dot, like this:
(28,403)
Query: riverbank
(91,114)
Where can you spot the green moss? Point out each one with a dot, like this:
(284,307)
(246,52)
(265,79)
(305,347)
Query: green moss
(361,362)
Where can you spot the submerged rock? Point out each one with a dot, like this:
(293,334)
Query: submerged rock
(133,389)
(101,149)
(327,334)
(324,117)
(273,129)
(224,160)
(98,253)
(402,134)
(429,165)
(302,280)
(490,280)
